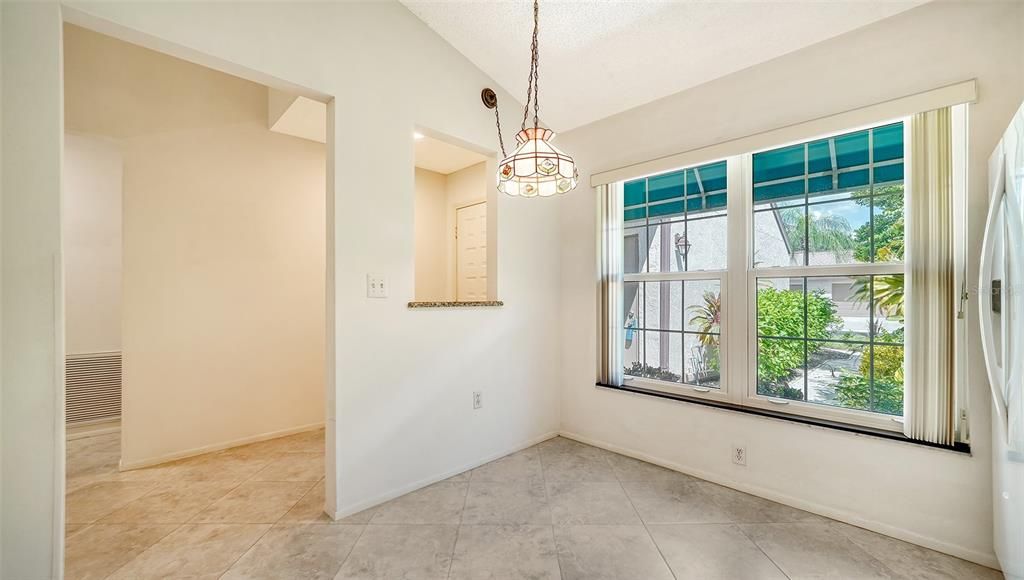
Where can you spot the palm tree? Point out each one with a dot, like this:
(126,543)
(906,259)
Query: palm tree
(707,317)
(888,293)
(827,232)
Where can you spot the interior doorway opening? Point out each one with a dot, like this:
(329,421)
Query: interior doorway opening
(196,299)
(451,222)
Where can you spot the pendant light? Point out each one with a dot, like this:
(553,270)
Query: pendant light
(536,168)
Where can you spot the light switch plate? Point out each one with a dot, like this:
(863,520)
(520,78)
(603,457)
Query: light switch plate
(376,286)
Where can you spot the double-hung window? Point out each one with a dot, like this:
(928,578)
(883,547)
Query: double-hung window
(773,279)
(674,262)
(827,276)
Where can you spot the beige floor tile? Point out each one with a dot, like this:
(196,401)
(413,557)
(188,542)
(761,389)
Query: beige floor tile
(417,552)
(587,502)
(674,502)
(814,551)
(107,443)
(750,509)
(577,463)
(196,551)
(629,469)
(577,484)
(505,553)
(609,553)
(440,503)
(159,473)
(85,462)
(506,503)
(310,509)
(293,467)
(87,468)
(523,466)
(100,549)
(254,502)
(92,502)
(220,466)
(308,441)
(169,503)
(112,473)
(305,442)
(912,562)
(296,551)
(562,445)
(712,552)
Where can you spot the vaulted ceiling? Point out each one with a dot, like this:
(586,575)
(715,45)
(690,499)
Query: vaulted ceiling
(600,57)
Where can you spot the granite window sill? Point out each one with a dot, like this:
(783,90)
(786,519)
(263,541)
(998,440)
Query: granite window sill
(456,304)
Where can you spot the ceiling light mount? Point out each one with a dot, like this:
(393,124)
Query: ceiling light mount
(489,98)
(536,168)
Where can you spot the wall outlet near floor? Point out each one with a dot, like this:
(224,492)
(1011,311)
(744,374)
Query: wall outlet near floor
(376,286)
(478,399)
(739,455)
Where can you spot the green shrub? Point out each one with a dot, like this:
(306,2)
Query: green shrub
(855,391)
(638,369)
(780,313)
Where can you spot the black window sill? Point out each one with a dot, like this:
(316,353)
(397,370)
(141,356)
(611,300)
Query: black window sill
(880,433)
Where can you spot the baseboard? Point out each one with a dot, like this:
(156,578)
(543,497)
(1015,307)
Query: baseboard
(390,495)
(962,552)
(151,461)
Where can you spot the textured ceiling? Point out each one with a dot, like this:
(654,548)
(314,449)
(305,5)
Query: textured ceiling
(601,57)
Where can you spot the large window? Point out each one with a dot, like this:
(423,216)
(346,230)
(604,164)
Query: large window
(828,247)
(814,232)
(675,255)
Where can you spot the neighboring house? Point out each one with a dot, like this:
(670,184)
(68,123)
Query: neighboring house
(676,222)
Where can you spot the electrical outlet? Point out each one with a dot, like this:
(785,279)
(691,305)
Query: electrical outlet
(376,286)
(739,455)
(478,399)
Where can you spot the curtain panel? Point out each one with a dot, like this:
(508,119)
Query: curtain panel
(929,404)
(609,284)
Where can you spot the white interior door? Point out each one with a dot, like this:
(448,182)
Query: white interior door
(471,252)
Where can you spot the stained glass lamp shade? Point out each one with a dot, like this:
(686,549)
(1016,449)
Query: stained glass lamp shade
(537,168)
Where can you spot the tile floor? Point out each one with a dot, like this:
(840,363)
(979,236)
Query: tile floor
(556,510)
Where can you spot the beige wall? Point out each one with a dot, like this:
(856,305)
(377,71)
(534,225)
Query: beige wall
(92,244)
(223,313)
(431,208)
(398,418)
(932,497)
(438,196)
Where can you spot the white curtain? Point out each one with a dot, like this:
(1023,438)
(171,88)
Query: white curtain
(929,400)
(609,284)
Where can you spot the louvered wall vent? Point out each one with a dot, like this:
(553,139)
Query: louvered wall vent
(93,386)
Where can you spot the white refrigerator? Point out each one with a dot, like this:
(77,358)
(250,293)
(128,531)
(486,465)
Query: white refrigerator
(1001,303)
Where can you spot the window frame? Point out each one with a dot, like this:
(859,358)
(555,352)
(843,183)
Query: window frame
(738,282)
(751,398)
(721,276)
